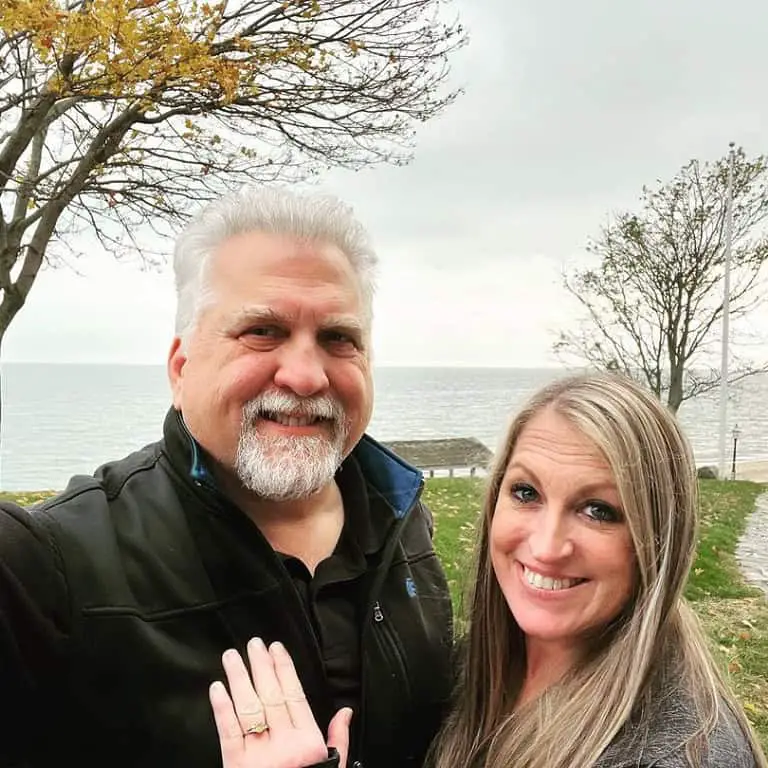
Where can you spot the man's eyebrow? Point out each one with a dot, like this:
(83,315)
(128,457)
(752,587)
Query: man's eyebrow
(343,322)
(256,314)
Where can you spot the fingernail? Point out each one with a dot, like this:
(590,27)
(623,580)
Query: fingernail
(257,642)
(348,717)
(230,654)
(277,646)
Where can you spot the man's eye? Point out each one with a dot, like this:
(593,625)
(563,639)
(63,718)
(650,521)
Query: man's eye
(602,512)
(524,493)
(267,331)
(339,337)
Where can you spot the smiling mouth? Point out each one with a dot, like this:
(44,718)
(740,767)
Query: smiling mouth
(288,420)
(549,583)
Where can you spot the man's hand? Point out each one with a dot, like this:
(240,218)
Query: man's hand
(265,720)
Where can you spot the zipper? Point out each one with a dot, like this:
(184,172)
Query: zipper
(378,616)
(387,633)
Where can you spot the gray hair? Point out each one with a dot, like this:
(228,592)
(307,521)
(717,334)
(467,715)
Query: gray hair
(313,217)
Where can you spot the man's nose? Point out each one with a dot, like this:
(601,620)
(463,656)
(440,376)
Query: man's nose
(301,368)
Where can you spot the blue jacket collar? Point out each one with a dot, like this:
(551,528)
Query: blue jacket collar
(398,482)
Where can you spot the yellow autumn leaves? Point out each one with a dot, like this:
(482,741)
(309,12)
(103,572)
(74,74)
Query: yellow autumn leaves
(130,49)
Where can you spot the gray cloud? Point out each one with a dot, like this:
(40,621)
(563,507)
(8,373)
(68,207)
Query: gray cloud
(574,106)
(569,109)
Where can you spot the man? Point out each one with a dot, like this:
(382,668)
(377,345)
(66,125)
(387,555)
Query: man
(263,512)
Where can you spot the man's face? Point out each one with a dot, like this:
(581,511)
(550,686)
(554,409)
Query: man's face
(274,381)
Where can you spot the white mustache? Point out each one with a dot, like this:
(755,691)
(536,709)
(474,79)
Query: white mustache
(323,407)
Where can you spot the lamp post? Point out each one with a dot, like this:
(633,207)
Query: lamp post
(736,432)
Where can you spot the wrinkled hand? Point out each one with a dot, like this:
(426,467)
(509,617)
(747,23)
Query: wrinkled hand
(265,720)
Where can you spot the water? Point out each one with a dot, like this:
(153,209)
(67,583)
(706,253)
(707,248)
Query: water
(59,420)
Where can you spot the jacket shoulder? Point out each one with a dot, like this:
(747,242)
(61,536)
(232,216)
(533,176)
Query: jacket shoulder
(108,529)
(108,480)
(660,741)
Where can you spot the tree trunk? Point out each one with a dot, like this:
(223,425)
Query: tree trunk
(675,395)
(6,317)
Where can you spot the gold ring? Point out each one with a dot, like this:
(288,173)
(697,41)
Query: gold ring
(257,728)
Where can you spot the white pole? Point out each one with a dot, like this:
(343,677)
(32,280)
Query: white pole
(726,318)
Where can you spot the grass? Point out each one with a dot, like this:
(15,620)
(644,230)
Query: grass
(724,507)
(26,499)
(734,614)
(455,503)
(739,631)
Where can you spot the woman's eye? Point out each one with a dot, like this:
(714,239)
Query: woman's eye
(602,512)
(523,493)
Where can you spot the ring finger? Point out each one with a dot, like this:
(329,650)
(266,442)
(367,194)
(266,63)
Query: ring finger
(248,707)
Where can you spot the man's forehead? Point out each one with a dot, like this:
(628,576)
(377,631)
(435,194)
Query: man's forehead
(236,270)
(271,251)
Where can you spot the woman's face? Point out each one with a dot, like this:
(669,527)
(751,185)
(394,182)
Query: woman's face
(559,543)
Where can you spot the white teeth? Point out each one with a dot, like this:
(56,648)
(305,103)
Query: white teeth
(545,582)
(292,421)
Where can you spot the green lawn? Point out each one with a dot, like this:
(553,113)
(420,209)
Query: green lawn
(724,510)
(734,614)
(26,499)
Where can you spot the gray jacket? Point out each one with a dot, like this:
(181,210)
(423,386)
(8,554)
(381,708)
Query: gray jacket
(661,743)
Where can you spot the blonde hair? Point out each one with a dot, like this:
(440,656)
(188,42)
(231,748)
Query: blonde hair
(656,635)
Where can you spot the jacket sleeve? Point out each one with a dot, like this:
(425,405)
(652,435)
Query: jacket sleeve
(33,625)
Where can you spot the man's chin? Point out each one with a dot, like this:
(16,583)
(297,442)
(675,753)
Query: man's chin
(270,440)
(288,475)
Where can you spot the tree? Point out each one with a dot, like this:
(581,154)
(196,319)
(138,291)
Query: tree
(653,305)
(115,114)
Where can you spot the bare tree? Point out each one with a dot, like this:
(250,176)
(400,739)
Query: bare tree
(653,306)
(117,114)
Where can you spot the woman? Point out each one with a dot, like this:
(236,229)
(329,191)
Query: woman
(580,650)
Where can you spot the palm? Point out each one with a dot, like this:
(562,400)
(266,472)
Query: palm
(267,722)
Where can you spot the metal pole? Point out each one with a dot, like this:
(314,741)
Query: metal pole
(726,315)
(733,459)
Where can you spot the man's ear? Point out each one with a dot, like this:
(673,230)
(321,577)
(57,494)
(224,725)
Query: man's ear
(177,359)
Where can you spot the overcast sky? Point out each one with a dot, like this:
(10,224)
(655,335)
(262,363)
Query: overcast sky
(569,109)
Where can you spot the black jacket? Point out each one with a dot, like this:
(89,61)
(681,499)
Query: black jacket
(118,597)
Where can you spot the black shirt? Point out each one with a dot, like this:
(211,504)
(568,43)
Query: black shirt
(334,597)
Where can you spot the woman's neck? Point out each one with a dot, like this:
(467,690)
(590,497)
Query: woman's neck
(545,663)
